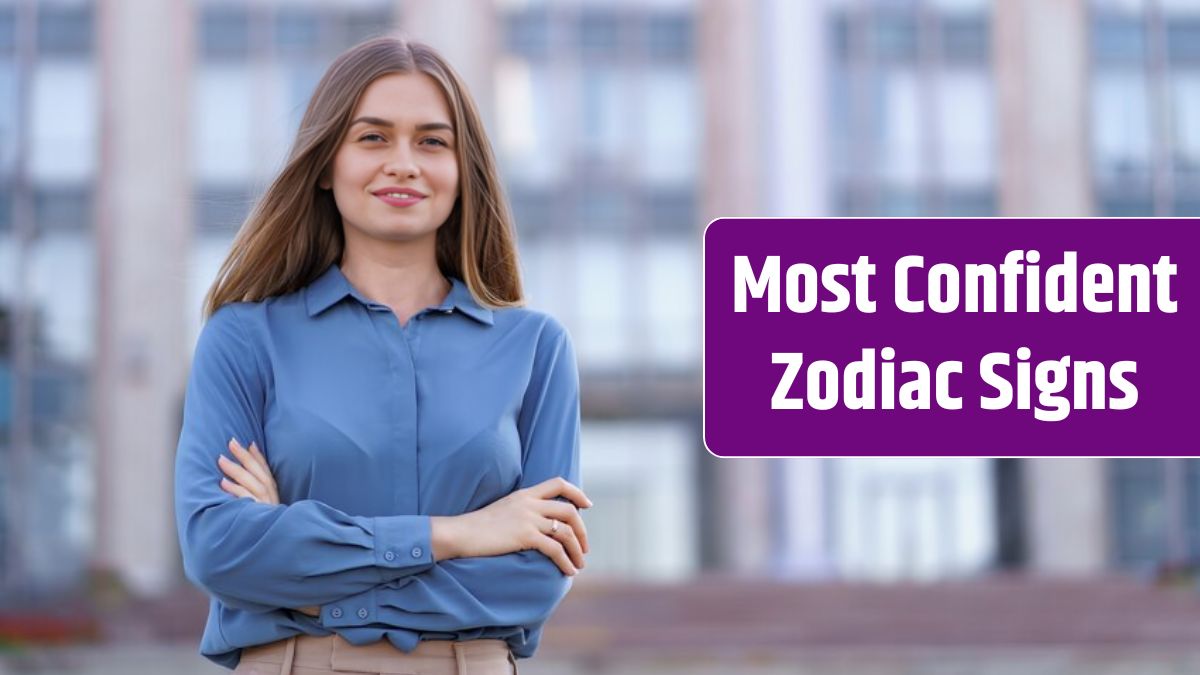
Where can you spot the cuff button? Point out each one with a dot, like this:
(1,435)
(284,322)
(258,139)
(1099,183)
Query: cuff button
(416,552)
(336,612)
(389,556)
(362,613)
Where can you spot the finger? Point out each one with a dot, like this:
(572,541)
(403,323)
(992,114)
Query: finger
(235,489)
(566,537)
(251,463)
(261,460)
(240,475)
(552,549)
(560,487)
(570,515)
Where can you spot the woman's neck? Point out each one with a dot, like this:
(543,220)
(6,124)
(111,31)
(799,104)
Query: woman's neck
(407,281)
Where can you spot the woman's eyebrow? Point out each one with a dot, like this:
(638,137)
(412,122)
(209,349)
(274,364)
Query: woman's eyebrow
(380,122)
(435,126)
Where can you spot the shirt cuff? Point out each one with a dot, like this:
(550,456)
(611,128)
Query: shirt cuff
(402,542)
(357,610)
(402,547)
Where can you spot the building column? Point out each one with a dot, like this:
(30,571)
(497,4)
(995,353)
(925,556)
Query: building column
(1066,516)
(1040,55)
(729,58)
(805,551)
(793,54)
(731,184)
(794,108)
(143,237)
(466,33)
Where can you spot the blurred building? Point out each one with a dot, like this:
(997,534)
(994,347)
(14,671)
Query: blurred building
(129,157)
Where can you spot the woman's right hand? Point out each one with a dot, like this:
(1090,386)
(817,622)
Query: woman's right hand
(523,520)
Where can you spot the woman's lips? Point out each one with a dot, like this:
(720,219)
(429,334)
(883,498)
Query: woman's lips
(404,200)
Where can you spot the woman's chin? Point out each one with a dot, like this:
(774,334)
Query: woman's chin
(397,234)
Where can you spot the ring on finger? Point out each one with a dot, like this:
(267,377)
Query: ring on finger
(553,527)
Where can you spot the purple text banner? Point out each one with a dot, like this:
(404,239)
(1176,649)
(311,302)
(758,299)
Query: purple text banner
(982,337)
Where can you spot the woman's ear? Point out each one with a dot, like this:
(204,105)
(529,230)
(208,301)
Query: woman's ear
(323,181)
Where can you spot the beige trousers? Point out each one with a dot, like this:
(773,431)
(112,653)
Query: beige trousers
(308,655)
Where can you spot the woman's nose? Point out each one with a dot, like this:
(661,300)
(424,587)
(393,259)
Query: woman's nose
(402,162)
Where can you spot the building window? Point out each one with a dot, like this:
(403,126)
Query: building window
(1183,42)
(670,211)
(8,120)
(6,207)
(533,210)
(63,129)
(966,39)
(363,24)
(297,31)
(911,110)
(63,208)
(1117,39)
(1156,511)
(221,210)
(8,30)
(64,31)
(669,37)
(1145,104)
(598,133)
(599,34)
(527,33)
(224,32)
(628,484)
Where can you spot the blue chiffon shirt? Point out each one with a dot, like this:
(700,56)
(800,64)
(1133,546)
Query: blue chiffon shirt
(370,428)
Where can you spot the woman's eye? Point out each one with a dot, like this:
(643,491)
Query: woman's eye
(370,136)
(435,141)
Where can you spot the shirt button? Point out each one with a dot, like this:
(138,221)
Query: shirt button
(416,552)
(336,612)
(362,613)
(389,556)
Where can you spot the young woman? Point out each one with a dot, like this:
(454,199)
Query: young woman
(403,438)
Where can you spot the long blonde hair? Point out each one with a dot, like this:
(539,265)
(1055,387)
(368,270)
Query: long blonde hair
(294,232)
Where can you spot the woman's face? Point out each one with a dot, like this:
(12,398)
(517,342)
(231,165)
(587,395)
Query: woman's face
(395,176)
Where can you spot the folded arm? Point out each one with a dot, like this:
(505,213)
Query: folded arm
(258,556)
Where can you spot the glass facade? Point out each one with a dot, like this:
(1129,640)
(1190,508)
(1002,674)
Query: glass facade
(912,132)
(49,116)
(1145,135)
(912,109)
(255,67)
(600,132)
(1145,122)
(1156,512)
(600,142)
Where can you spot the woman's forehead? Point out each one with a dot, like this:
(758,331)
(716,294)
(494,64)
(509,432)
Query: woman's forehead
(404,99)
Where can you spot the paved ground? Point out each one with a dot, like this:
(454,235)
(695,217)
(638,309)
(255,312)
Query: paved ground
(992,627)
(159,660)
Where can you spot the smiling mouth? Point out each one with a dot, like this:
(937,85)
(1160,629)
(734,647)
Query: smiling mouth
(399,198)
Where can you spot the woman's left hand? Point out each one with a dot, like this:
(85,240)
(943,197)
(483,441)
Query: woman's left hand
(252,478)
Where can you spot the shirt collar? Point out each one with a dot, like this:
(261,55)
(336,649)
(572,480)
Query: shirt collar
(332,286)
(460,298)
